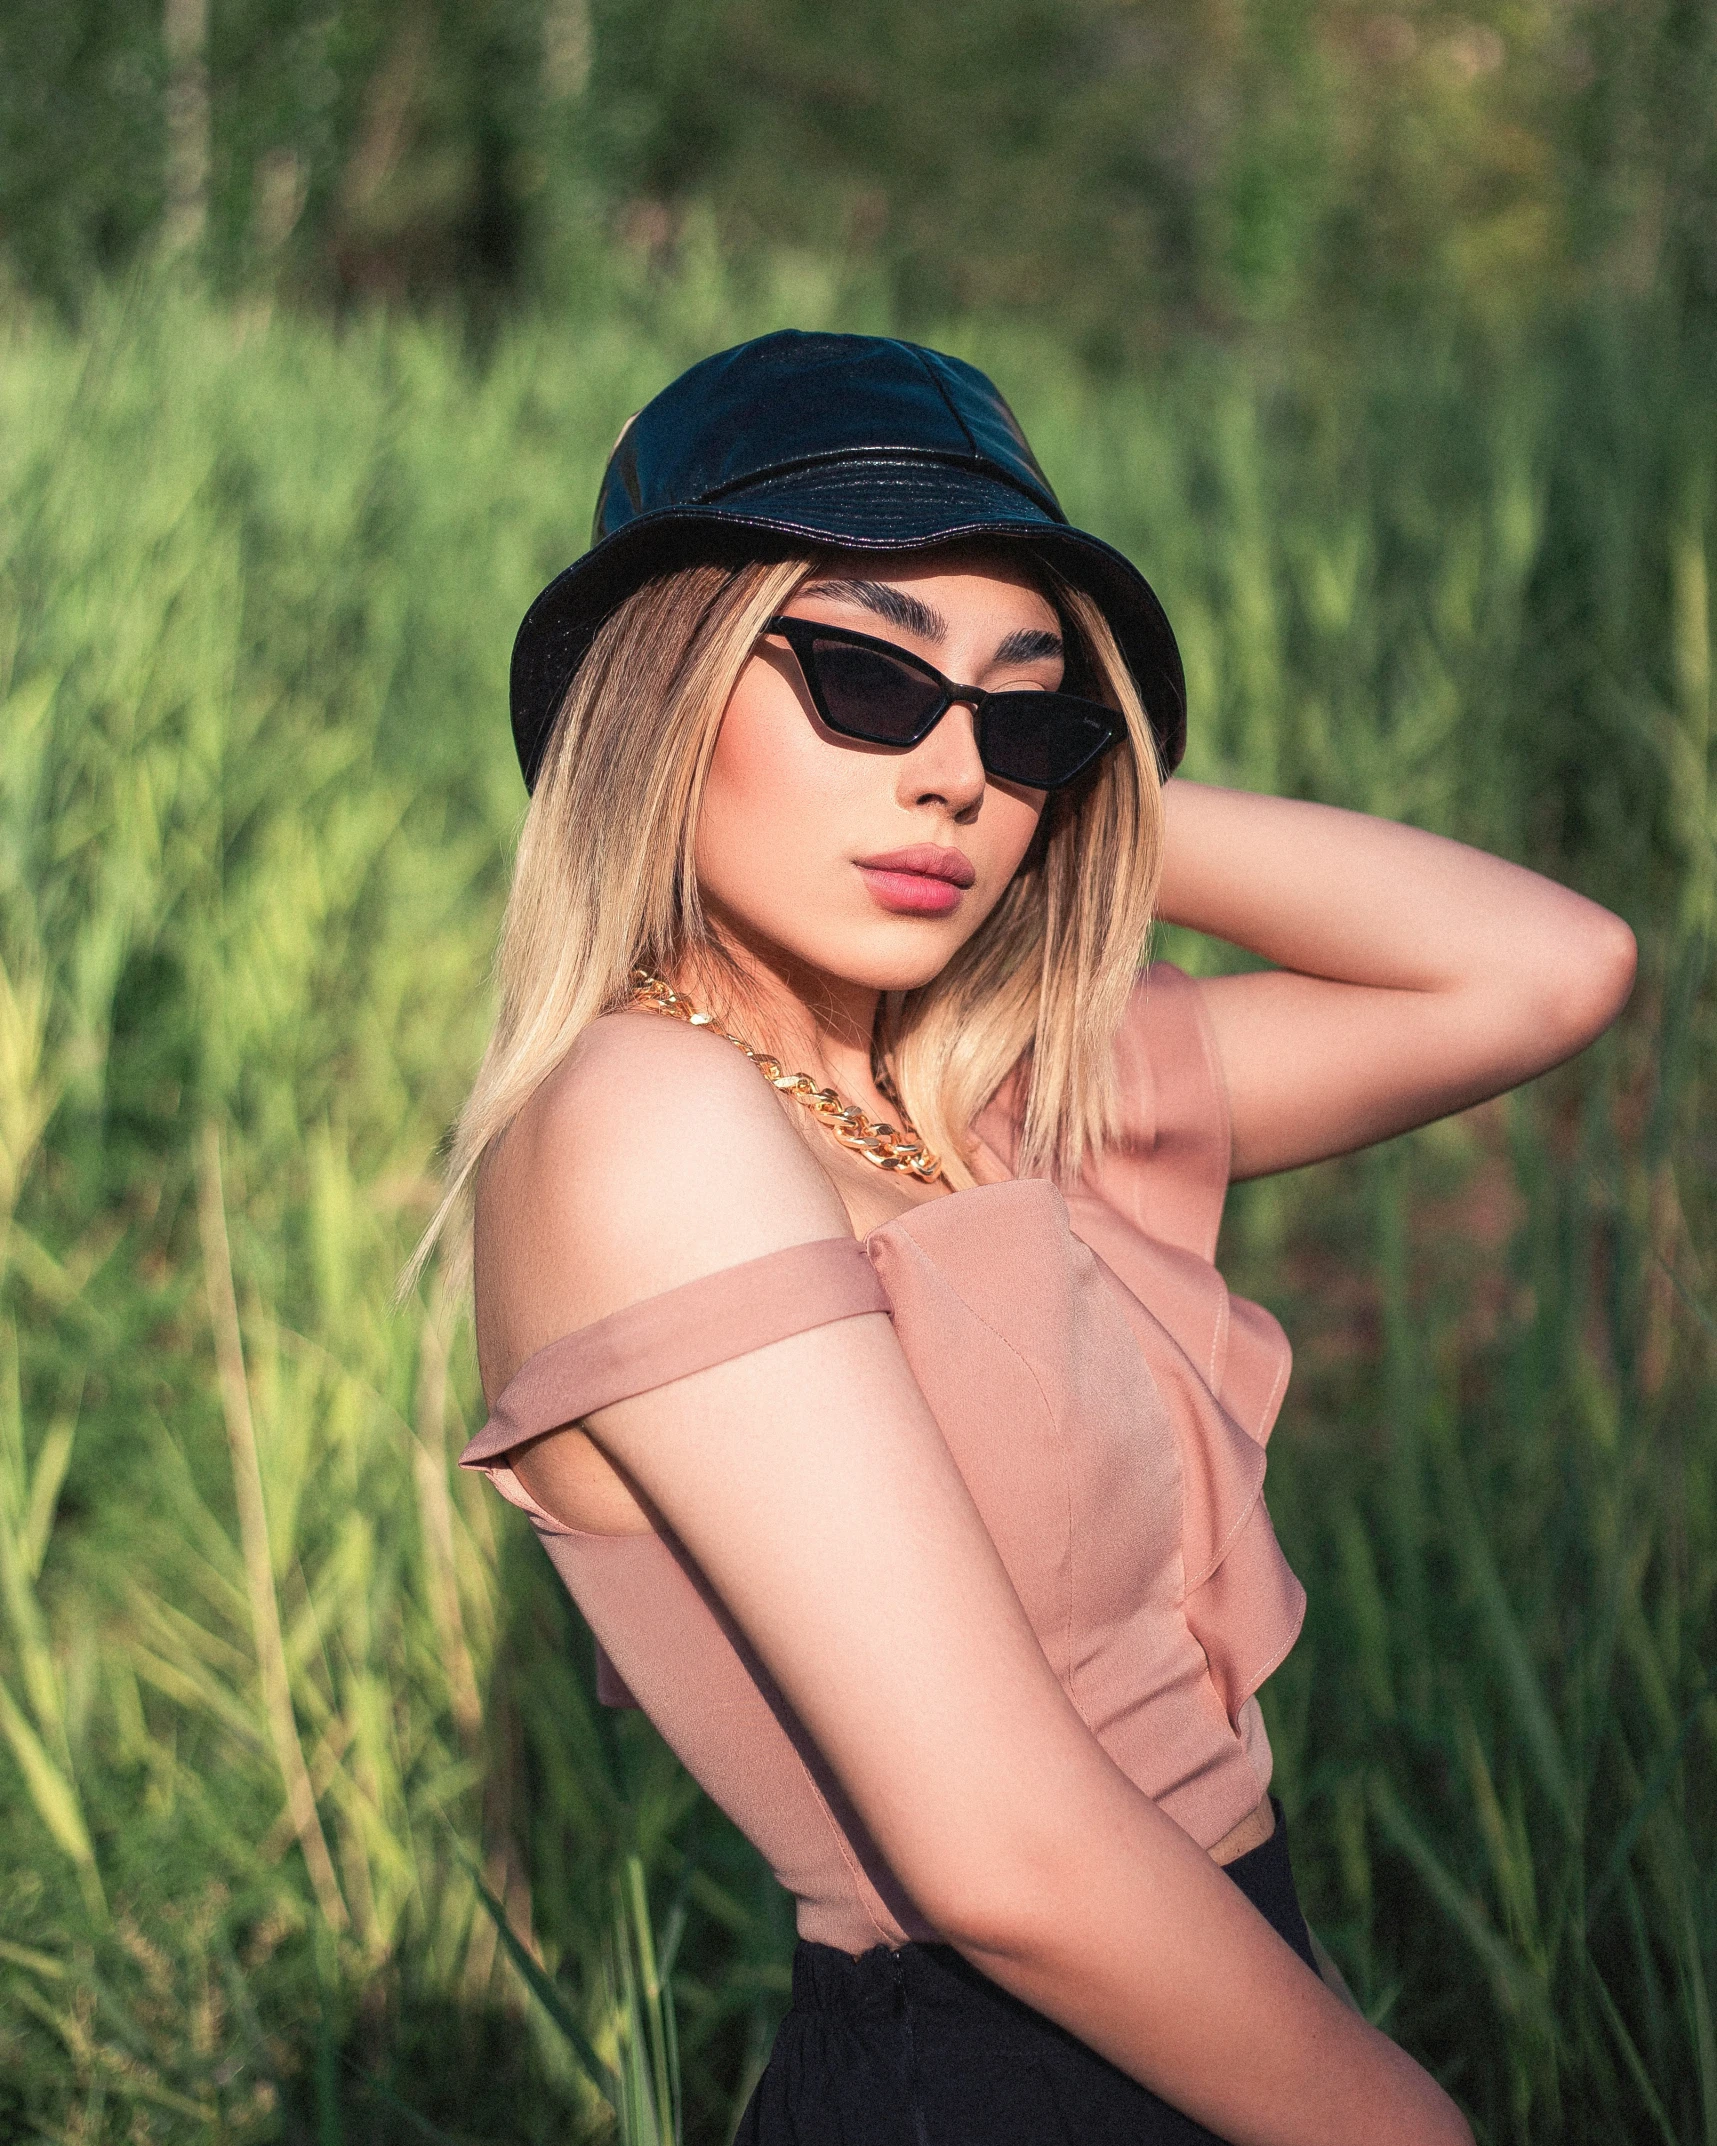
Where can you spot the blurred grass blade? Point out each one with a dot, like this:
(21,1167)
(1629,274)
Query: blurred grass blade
(644,2017)
(1699,2003)
(375,2090)
(1502,1627)
(28,1088)
(55,1798)
(1641,2077)
(253,1530)
(43,1751)
(1688,1299)
(601,2076)
(46,1480)
(1516,1990)
(1653,1793)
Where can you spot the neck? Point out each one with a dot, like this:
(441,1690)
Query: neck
(811,1021)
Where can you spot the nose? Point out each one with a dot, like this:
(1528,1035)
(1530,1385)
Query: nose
(944,768)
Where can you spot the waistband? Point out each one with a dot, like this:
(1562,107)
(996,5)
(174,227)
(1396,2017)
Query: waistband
(828,1980)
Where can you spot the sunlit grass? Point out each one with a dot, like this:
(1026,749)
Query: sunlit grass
(283,1697)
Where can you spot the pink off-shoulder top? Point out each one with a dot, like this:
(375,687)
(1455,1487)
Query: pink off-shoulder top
(1107,1402)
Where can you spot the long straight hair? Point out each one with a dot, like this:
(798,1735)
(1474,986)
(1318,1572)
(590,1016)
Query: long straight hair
(605,882)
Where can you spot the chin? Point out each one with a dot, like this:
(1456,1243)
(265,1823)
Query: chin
(893,968)
(874,953)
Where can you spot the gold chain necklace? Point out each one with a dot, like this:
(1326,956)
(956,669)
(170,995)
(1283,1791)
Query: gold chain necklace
(874,1139)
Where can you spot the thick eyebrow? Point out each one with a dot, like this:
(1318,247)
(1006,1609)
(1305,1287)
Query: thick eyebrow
(1032,644)
(888,603)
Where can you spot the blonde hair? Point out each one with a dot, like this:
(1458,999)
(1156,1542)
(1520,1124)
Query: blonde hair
(604,882)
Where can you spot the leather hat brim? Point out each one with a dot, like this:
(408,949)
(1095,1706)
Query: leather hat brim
(891,504)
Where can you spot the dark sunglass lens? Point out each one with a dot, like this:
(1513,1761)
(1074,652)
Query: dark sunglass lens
(869,695)
(1042,739)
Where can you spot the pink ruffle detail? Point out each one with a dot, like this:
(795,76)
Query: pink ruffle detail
(1242,1602)
(1247,1614)
(1149,1205)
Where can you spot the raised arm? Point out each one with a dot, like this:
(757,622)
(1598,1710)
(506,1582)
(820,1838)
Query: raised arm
(813,1488)
(1413,975)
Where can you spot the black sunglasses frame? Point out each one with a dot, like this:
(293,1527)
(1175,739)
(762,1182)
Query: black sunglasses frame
(802,634)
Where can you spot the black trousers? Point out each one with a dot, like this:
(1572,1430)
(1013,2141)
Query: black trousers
(918,2048)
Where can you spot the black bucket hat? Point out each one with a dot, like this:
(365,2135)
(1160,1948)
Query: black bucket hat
(852,442)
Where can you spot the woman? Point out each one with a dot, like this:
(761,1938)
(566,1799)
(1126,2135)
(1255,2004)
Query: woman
(885,1413)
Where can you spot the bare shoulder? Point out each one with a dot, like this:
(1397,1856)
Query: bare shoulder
(652,1155)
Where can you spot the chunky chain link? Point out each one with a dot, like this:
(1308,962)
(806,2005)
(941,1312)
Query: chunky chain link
(874,1139)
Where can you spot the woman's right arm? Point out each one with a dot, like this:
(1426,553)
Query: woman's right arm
(812,1486)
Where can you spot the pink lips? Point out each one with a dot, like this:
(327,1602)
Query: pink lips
(919,881)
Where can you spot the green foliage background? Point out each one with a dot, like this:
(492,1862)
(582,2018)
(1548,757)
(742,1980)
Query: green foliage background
(1123,170)
(1382,340)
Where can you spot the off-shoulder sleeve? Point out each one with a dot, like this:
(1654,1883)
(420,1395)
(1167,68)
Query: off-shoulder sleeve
(667,1337)
(1167,1168)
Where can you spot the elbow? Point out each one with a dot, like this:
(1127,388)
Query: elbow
(993,1901)
(987,1913)
(1568,991)
(1008,1898)
(1597,980)
(1620,965)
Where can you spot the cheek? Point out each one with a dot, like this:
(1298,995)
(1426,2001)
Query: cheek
(771,803)
(1012,824)
(751,767)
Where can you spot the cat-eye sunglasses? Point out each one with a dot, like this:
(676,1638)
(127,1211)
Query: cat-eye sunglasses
(874,690)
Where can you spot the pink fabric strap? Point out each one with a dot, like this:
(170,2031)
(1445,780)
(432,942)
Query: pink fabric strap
(683,1330)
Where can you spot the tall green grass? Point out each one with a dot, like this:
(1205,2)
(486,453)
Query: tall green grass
(314,1830)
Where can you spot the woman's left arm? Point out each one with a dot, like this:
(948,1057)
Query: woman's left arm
(1412,976)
